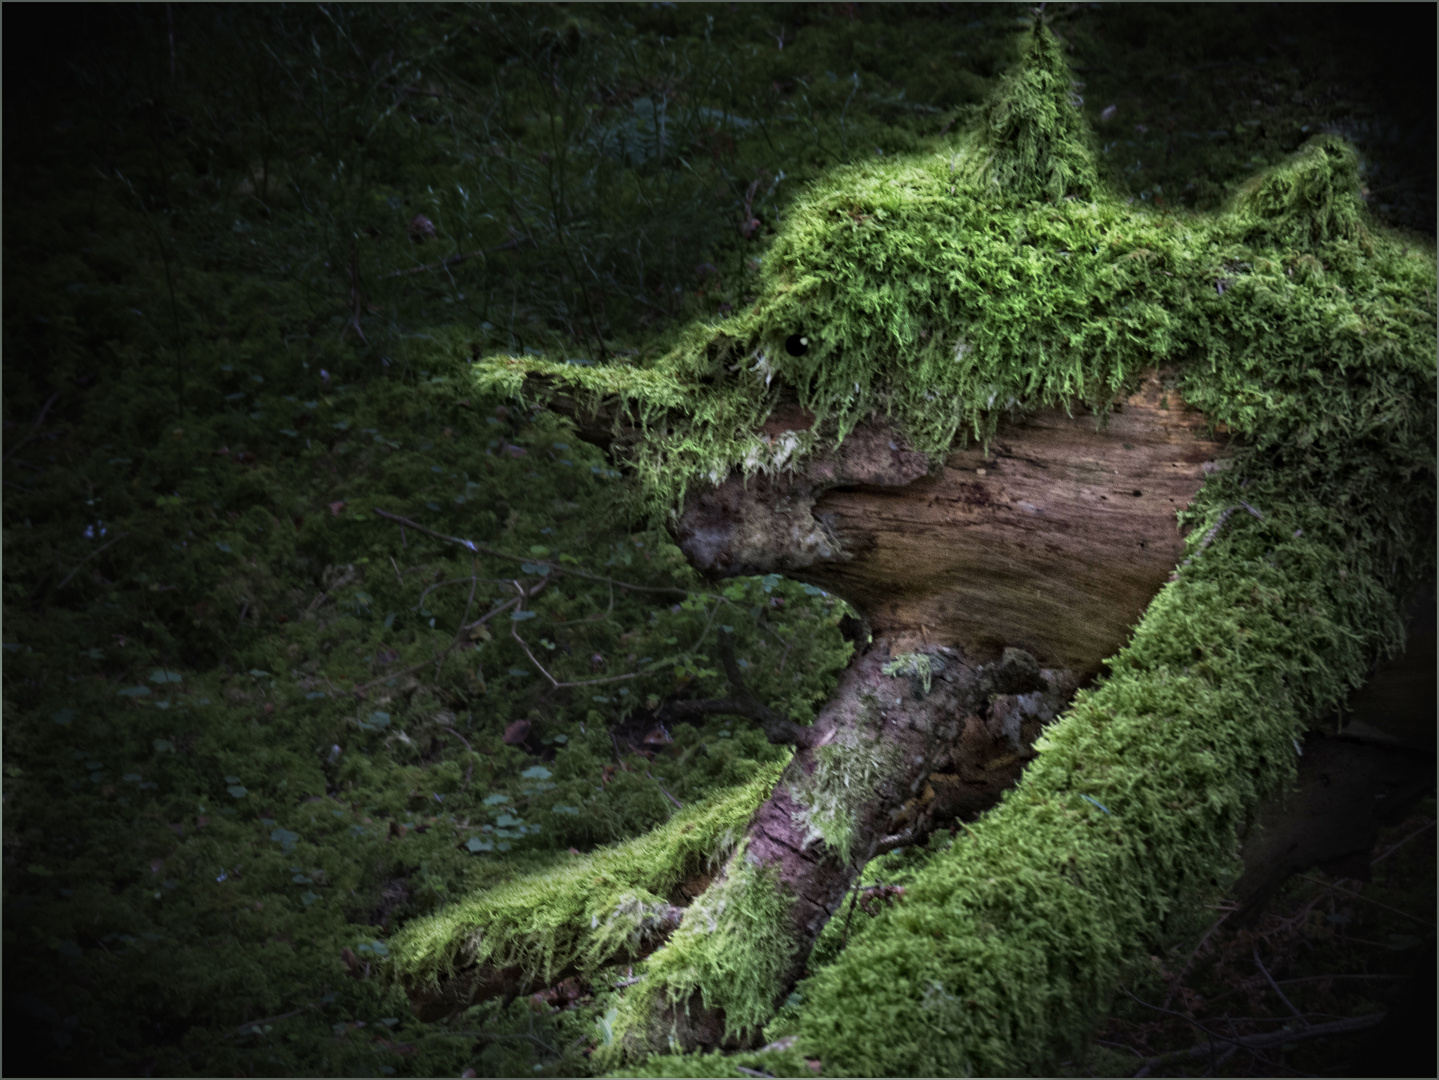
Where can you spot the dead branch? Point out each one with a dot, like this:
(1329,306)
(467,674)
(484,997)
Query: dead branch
(87,558)
(356,297)
(473,547)
(452,260)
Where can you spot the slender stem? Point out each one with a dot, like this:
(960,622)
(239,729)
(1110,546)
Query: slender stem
(470,545)
(1423,828)
(1275,987)
(1264,1041)
(1361,896)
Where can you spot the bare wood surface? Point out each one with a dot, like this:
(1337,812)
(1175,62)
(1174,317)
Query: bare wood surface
(1055,541)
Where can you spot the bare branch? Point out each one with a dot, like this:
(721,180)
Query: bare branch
(474,548)
(87,558)
(452,260)
(1361,896)
(1428,824)
(359,691)
(1179,979)
(1275,987)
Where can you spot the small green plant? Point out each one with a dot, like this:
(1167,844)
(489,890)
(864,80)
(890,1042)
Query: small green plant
(920,665)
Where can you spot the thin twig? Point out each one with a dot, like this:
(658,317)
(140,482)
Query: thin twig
(778,729)
(360,690)
(1210,1002)
(1264,1041)
(1179,979)
(460,633)
(356,297)
(1171,1012)
(452,260)
(1275,987)
(1423,828)
(472,547)
(556,683)
(457,735)
(678,805)
(118,537)
(1361,896)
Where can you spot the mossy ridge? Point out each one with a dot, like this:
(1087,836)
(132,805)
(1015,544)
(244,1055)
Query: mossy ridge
(582,912)
(928,300)
(1032,141)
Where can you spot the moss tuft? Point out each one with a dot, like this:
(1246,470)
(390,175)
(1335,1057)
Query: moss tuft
(846,774)
(1310,199)
(1032,142)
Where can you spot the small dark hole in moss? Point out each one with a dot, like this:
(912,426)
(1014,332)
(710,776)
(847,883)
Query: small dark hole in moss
(796,344)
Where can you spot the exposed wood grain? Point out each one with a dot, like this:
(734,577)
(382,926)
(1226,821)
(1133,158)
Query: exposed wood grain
(1055,541)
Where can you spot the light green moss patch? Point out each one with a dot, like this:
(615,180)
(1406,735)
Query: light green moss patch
(730,953)
(845,777)
(580,912)
(918,665)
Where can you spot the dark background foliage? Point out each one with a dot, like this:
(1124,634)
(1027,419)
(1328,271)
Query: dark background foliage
(249,254)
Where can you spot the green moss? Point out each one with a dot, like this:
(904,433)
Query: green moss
(1032,141)
(583,911)
(730,954)
(1008,947)
(232,434)
(935,301)
(918,665)
(846,773)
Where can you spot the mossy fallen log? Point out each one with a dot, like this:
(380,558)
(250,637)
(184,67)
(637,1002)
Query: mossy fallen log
(941,304)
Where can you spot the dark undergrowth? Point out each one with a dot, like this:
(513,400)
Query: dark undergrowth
(250,724)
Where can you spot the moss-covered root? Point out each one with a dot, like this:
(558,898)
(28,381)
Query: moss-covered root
(581,915)
(900,745)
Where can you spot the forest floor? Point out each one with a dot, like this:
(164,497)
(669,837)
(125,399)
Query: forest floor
(251,725)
